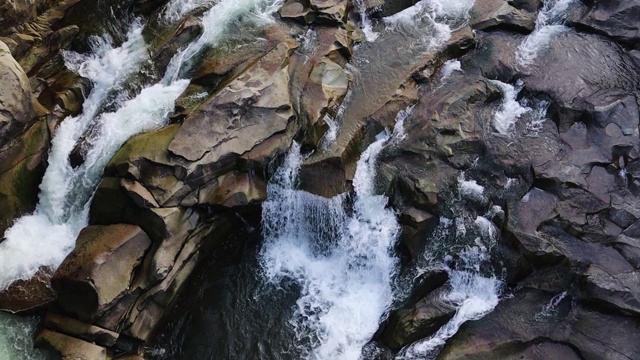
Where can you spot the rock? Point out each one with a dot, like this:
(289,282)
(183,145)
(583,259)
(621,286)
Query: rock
(69,348)
(78,329)
(620,290)
(22,165)
(617,19)
(419,321)
(18,111)
(27,295)
(17,12)
(493,13)
(520,326)
(100,269)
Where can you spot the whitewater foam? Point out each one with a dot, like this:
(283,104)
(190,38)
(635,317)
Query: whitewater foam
(339,255)
(474,288)
(45,237)
(216,21)
(549,23)
(436,18)
(16,339)
(511,110)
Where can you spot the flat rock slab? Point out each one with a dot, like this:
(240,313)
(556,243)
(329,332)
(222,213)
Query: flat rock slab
(69,348)
(99,270)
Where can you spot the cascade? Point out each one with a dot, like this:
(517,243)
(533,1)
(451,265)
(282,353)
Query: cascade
(339,252)
(549,23)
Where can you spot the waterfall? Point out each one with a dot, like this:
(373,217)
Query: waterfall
(439,17)
(504,120)
(45,237)
(549,23)
(367,26)
(474,288)
(339,251)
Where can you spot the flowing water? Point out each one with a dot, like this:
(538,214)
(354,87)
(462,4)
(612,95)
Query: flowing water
(16,339)
(44,238)
(549,23)
(462,247)
(319,279)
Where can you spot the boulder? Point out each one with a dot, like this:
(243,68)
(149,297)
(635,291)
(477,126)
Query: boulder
(69,348)
(100,269)
(616,19)
(78,329)
(494,13)
(418,321)
(26,295)
(526,325)
(17,112)
(22,165)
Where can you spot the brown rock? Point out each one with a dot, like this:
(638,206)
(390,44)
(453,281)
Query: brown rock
(100,269)
(78,329)
(69,348)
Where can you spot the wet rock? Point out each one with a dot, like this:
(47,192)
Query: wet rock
(523,325)
(621,290)
(100,269)
(419,321)
(78,329)
(69,348)
(27,295)
(18,111)
(493,13)
(617,19)
(22,165)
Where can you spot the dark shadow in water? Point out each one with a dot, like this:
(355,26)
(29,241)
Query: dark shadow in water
(227,312)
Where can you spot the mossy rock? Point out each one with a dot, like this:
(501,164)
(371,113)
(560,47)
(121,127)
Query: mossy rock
(22,166)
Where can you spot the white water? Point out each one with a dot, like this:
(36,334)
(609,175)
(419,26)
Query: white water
(16,339)
(440,17)
(399,132)
(177,9)
(536,117)
(216,21)
(341,256)
(511,110)
(367,25)
(470,188)
(46,237)
(549,23)
(475,291)
(448,68)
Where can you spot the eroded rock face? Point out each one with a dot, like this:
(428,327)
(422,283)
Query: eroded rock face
(18,111)
(617,19)
(100,269)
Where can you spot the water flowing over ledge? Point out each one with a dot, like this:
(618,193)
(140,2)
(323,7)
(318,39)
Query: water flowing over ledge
(341,256)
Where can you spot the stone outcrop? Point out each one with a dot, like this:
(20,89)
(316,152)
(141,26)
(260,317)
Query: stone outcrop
(566,183)
(100,269)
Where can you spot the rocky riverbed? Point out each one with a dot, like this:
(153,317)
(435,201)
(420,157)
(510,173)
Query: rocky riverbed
(320,179)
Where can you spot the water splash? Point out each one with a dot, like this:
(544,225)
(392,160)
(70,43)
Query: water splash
(367,25)
(511,110)
(437,18)
(16,339)
(177,9)
(216,21)
(399,132)
(549,23)
(550,309)
(340,254)
(448,68)
(463,248)
(46,237)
